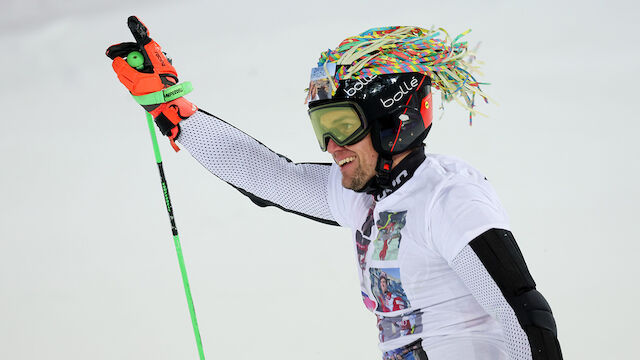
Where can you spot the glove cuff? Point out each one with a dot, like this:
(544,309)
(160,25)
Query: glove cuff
(168,115)
(165,95)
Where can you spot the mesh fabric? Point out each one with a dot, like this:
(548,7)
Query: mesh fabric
(475,276)
(245,163)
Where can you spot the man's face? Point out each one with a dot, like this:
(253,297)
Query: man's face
(357,162)
(383,285)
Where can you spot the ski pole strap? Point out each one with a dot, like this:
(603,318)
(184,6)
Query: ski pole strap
(165,95)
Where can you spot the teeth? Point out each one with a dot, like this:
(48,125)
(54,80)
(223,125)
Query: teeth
(346,160)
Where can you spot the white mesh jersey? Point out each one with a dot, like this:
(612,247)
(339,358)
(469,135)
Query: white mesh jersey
(485,290)
(410,258)
(267,177)
(417,273)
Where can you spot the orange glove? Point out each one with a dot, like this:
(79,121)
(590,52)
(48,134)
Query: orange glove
(154,84)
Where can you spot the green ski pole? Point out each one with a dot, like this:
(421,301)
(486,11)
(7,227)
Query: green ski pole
(176,239)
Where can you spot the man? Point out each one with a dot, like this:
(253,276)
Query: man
(465,290)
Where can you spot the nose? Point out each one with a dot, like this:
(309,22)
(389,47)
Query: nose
(332,146)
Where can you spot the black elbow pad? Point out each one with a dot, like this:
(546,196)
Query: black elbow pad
(499,253)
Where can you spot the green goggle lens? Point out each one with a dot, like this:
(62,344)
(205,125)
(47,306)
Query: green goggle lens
(342,122)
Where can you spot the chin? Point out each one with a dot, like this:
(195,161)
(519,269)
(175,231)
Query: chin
(355,184)
(347,184)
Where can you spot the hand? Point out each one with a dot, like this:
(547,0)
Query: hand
(147,82)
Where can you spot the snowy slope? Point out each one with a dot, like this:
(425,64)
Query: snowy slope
(88,268)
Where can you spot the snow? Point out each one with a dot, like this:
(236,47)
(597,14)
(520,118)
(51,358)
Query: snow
(88,268)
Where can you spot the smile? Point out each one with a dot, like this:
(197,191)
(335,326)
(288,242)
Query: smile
(346,160)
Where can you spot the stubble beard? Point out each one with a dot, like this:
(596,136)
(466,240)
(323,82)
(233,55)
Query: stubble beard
(359,180)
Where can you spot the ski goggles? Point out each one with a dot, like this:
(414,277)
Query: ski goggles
(343,122)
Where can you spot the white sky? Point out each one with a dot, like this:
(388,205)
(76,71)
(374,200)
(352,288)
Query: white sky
(88,268)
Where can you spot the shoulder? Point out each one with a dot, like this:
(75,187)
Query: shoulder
(463,205)
(441,174)
(448,174)
(446,167)
(438,176)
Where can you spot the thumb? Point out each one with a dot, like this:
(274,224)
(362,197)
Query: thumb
(139,31)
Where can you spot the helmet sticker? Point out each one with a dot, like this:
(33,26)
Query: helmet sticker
(321,83)
(426,110)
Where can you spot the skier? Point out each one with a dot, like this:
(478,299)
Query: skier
(467,287)
(388,301)
(389,236)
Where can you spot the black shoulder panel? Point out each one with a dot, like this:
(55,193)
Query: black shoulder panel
(501,256)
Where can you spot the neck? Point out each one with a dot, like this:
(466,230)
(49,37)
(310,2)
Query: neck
(402,167)
(398,158)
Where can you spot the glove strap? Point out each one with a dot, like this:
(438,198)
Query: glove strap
(168,115)
(165,95)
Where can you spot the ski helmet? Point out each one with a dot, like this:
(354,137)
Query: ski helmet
(396,109)
(379,83)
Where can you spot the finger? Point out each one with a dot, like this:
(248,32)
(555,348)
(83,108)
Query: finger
(141,35)
(158,60)
(126,74)
(138,83)
(121,50)
(139,31)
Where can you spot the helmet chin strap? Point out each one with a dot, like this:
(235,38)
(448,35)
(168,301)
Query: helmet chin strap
(383,170)
(382,179)
(387,180)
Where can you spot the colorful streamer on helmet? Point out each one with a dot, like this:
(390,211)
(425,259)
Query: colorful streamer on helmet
(402,49)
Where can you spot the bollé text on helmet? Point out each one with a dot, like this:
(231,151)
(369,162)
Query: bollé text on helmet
(360,84)
(402,91)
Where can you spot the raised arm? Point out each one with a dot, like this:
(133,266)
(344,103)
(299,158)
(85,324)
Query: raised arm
(267,178)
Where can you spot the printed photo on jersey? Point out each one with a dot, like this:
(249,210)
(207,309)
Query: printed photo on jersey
(396,326)
(370,304)
(387,243)
(387,289)
(413,351)
(362,246)
(363,240)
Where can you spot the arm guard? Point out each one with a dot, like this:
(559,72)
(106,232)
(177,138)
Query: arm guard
(494,269)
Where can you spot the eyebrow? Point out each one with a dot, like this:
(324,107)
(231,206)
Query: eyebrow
(342,118)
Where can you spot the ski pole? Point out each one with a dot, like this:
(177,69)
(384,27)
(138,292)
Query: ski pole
(176,239)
